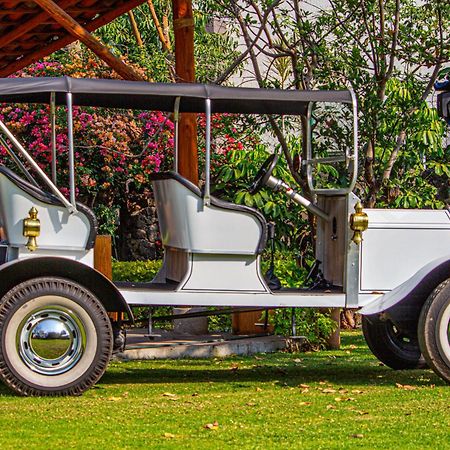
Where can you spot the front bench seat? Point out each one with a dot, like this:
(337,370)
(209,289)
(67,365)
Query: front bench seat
(220,228)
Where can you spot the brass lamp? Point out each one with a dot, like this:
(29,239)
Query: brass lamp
(32,229)
(359,222)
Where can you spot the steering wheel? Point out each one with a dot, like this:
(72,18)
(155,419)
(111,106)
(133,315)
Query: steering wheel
(263,174)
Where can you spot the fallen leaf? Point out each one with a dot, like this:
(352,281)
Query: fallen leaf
(328,391)
(168,394)
(169,435)
(304,386)
(304,403)
(297,360)
(357,391)
(258,389)
(195,394)
(234,367)
(304,391)
(114,399)
(212,426)
(338,399)
(357,436)
(250,404)
(331,407)
(406,387)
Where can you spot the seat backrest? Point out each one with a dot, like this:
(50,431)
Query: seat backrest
(220,228)
(59,228)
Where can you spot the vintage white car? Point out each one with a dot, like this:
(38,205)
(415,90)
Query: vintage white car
(56,337)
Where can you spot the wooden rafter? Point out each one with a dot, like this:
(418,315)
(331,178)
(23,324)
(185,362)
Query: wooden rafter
(79,32)
(52,37)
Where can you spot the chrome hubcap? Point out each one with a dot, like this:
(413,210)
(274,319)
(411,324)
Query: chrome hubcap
(51,341)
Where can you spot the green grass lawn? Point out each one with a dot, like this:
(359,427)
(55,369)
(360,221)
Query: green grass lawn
(324,400)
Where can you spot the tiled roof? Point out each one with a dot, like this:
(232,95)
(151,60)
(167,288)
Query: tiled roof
(28,33)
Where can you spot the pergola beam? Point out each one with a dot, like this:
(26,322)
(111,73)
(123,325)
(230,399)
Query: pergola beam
(79,32)
(55,45)
(35,21)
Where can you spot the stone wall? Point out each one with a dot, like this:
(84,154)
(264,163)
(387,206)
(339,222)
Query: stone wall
(138,230)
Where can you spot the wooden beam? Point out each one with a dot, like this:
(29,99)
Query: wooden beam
(183,24)
(46,50)
(79,32)
(135,28)
(75,10)
(24,28)
(162,37)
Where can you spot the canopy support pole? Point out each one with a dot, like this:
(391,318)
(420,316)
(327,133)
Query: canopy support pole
(71,149)
(176,120)
(207,194)
(36,167)
(79,32)
(53,126)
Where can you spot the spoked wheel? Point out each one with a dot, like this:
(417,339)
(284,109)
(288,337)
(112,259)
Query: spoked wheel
(55,338)
(392,347)
(434,330)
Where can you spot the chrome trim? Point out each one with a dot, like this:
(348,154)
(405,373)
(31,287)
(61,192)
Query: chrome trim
(17,160)
(41,340)
(176,120)
(53,127)
(71,150)
(207,194)
(351,159)
(36,167)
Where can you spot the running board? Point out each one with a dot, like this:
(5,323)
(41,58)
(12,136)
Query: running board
(280,299)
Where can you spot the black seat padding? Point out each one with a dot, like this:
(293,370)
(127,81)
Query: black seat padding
(218,203)
(50,199)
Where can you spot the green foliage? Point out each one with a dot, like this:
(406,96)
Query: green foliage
(233,178)
(390,53)
(135,271)
(213,51)
(314,324)
(288,268)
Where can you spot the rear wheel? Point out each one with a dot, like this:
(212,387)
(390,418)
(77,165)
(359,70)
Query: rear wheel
(55,338)
(434,330)
(391,346)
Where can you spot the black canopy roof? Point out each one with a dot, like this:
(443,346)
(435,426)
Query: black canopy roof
(161,96)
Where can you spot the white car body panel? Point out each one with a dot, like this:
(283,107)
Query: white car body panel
(400,242)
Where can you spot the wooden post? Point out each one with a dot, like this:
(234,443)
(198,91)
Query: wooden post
(162,36)
(135,28)
(103,255)
(334,341)
(76,30)
(183,24)
(245,322)
(103,261)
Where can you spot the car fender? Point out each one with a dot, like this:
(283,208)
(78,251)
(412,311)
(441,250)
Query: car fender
(17,271)
(403,304)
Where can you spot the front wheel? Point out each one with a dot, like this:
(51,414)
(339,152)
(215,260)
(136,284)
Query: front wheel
(434,330)
(55,338)
(391,346)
